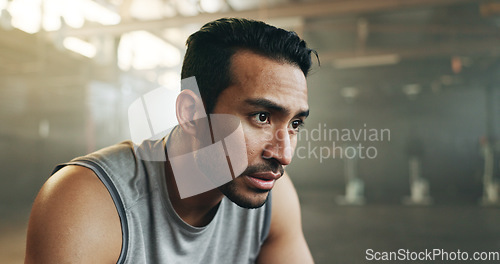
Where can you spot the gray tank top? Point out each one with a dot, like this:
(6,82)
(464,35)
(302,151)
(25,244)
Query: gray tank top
(152,232)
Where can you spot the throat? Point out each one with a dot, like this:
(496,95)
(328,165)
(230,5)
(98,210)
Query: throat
(197,218)
(197,210)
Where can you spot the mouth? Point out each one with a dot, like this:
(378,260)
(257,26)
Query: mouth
(263,180)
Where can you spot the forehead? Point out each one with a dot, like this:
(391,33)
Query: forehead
(256,76)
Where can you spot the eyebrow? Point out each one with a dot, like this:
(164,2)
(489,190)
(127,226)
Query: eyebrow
(265,103)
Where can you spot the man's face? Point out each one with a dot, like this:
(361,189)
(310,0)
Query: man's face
(270,99)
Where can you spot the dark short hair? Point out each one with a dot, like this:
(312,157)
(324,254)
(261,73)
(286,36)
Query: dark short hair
(210,49)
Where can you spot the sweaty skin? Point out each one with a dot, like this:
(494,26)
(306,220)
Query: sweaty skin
(74,219)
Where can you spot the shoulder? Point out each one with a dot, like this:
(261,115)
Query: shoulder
(285,242)
(73,220)
(285,208)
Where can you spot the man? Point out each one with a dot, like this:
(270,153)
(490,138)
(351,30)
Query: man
(111,206)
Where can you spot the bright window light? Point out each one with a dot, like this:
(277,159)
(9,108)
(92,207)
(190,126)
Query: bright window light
(72,13)
(52,12)
(211,6)
(187,8)
(79,46)
(98,13)
(141,50)
(243,5)
(3,4)
(147,9)
(75,13)
(26,15)
(170,80)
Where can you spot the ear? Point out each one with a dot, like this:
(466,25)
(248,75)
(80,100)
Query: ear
(189,107)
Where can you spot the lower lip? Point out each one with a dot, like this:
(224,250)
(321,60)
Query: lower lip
(260,183)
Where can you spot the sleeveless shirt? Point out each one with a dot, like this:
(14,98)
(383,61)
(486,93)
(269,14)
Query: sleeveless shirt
(152,232)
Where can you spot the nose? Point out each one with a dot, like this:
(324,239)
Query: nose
(279,148)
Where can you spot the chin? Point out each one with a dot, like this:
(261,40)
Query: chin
(244,196)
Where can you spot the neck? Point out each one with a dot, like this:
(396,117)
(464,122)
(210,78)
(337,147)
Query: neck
(196,210)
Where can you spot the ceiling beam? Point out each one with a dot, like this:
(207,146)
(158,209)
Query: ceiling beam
(436,29)
(315,9)
(125,10)
(442,49)
(45,81)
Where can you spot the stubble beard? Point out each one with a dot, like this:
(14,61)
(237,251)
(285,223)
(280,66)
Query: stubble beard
(255,198)
(235,190)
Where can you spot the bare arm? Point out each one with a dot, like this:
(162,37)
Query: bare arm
(286,242)
(73,220)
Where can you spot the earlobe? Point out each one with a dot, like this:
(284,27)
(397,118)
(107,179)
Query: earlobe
(189,107)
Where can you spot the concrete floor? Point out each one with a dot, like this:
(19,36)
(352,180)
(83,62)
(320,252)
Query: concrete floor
(339,234)
(342,234)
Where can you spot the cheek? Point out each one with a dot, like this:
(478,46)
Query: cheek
(255,141)
(253,146)
(293,145)
(293,142)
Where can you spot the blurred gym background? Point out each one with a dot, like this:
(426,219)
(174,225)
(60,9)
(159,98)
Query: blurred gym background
(425,72)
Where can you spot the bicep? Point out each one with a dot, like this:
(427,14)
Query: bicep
(286,242)
(73,220)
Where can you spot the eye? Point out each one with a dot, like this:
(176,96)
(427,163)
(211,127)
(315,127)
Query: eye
(296,125)
(261,118)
